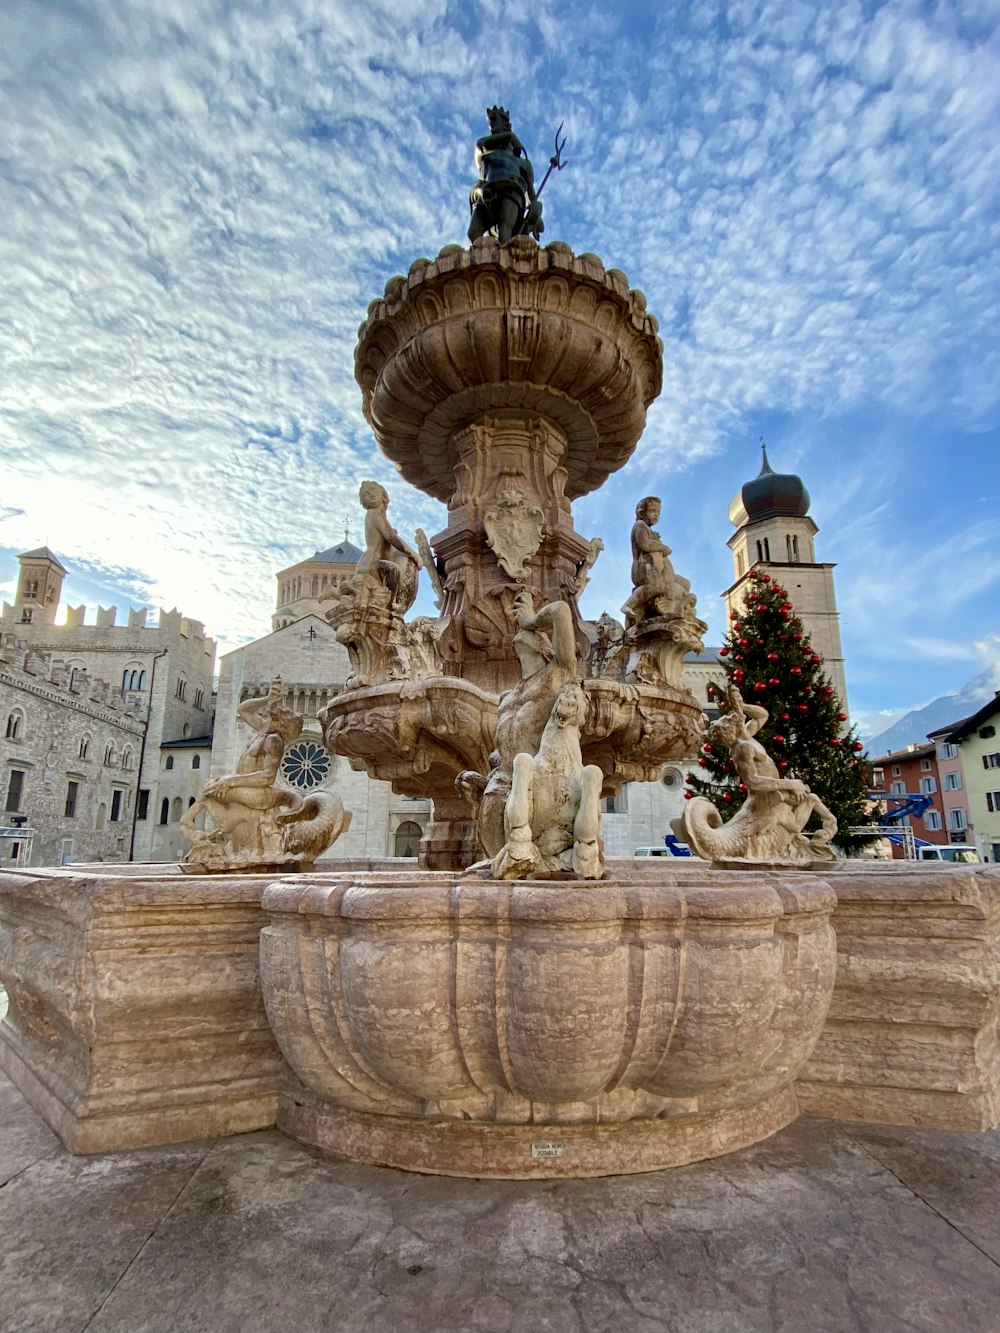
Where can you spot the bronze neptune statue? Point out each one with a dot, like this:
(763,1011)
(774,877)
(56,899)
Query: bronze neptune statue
(504,200)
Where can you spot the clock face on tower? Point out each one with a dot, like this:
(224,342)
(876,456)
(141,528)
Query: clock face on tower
(305,764)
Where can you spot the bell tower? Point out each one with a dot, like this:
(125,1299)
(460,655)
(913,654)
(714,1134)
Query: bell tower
(775,532)
(39,587)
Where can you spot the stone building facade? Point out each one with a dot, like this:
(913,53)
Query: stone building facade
(69,760)
(978,739)
(164,673)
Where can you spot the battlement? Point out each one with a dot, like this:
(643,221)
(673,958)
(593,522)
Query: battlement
(171,624)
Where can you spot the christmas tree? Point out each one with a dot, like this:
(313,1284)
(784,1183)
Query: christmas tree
(770,659)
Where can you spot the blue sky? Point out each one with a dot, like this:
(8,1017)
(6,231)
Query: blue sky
(199,200)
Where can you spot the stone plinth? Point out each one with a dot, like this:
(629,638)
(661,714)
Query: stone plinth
(135,1012)
(913,1034)
(469,1027)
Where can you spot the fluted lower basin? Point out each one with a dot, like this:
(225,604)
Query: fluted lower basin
(451,1024)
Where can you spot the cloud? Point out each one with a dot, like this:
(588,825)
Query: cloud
(200,200)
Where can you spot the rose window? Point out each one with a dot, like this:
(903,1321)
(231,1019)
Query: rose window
(305,764)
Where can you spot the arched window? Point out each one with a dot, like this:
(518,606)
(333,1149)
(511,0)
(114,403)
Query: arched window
(180,690)
(168,763)
(196,761)
(84,746)
(190,802)
(109,754)
(15,726)
(764,549)
(127,757)
(164,810)
(142,680)
(176,810)
(102,816)
(792,544)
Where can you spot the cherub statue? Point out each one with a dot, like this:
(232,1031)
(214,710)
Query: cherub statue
(657,589)
(388,562)
(257,822)
(769,825)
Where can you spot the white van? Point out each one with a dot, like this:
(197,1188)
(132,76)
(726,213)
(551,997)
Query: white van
(956,853)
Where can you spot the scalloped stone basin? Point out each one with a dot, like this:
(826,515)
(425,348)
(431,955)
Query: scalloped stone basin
(454,1025)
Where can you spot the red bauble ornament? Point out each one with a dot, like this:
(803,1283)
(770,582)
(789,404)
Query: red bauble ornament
(785,615)
(738,657)
(703,762)
(753,597)
(723,652)
(778,740)
(727,796)
(834,740)
(786,717)
(858,746)
(841,717)
(688,795)
(760,643)
(765,578)
(743,786)
(803,708)
(796,671)
(782,763)
(744,643)
(827,691)
(772,657)
(760,686)
(739,676)
(689,777)
(707,748)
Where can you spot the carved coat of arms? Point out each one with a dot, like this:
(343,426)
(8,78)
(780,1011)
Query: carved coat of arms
(513,532)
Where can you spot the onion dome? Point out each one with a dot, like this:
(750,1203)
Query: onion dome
(773,494)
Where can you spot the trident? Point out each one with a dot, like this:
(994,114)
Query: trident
(555,162)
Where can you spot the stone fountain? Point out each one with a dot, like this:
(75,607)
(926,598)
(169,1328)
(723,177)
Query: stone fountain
(539,1013)
(517,1006)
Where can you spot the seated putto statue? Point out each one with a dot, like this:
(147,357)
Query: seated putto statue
(258,823)
(660,619)
(503,199)
(367,611)
(770,824)
(531,821)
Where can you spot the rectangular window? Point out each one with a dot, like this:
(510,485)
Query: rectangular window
(992,760)
(614,805)
(925,765)
(72,789)
(928,786)
(897,788)
(947,751)
(896,770)
(878,776)
(957,820)
(932,820)
(142,810)
(15,790)
(953,782)
(116,805)
(993,802)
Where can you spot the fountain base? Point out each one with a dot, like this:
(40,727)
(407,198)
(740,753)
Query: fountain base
(448,1147)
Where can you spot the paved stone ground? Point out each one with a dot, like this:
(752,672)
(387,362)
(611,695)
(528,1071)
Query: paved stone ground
(825,1228)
